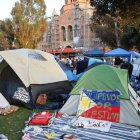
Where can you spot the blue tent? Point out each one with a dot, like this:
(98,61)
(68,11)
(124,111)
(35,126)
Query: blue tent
(95,52)
(118,52)
(68,72)
(134,54)
(93,60)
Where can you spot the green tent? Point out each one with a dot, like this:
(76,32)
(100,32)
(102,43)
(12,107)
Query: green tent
(104,77)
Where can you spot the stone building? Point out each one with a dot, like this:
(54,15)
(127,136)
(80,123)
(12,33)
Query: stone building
(71,28)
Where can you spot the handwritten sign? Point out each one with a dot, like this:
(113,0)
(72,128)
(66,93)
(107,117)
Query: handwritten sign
(102,105)
(92,124)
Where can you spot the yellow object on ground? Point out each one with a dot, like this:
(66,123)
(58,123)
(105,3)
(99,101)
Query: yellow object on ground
(50,136)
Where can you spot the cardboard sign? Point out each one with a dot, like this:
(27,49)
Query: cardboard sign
(92,124)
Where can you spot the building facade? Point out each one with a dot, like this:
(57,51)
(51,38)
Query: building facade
(71,28)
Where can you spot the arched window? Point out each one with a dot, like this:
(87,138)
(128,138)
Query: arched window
(70,32)
(64,33)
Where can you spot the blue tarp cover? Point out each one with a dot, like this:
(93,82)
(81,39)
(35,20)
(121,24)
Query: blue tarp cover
(95,52)
(134,54)
(118,52)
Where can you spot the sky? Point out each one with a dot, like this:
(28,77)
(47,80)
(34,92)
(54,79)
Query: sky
(6,7)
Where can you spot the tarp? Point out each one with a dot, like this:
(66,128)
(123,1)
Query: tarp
(118,52)
(68,72)
(134,54)
(95,53)
(93,61)
(137,61)
(66,50)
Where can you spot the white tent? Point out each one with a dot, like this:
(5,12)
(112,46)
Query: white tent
(27,73)
(3,102)
(34,66)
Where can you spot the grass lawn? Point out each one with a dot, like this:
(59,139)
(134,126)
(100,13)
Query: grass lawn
(13,124)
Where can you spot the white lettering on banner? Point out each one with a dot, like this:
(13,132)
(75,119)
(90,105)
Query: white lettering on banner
(102,105)
(22,95)
(103,115)
(108,97)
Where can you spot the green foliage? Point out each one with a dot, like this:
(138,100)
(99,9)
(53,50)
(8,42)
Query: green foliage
(123,13)
(27,25)
(29,22)
(131,38)
(104,27)
(6,33)
(128,10)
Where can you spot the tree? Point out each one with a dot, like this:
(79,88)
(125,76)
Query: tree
(6,34)
(131,38)
(28,22)
(104,27)
(26,27)
(128,10)
(122,15)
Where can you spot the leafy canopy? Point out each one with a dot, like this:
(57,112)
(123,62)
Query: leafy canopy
(27,25)
(117,22)
(128,10)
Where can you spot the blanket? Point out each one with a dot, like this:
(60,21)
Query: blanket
(63,126)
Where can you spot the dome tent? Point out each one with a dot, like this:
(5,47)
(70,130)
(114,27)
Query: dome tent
(26,73)
(104,78)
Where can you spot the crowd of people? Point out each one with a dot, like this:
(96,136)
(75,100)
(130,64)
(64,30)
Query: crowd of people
(73,62)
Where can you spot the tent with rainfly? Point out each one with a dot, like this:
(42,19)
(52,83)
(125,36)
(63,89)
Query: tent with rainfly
(27,73)
(107,81)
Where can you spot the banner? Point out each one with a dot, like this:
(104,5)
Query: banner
(99,104)
(92,124)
